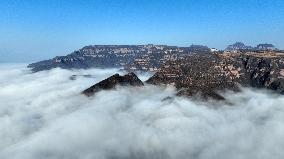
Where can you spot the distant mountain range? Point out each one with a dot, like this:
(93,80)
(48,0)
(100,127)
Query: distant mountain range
(133,57)
(136,57)
(192,70)
(241,46)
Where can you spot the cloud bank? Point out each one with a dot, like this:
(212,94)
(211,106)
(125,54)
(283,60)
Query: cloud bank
(44,116)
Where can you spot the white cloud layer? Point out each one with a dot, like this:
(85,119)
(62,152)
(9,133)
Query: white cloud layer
(44,116)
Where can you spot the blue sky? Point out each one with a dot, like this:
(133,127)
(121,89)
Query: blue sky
(33,30)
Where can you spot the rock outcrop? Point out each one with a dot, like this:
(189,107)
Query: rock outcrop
(129,79)
(209,74)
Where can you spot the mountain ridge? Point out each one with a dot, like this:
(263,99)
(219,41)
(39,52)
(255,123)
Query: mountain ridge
(105,56)
(131,57)
(208,75)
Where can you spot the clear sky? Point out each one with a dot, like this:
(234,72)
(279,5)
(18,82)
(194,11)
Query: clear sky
(32,30)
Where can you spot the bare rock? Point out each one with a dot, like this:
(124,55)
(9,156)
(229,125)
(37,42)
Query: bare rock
(209,74)
(129,79)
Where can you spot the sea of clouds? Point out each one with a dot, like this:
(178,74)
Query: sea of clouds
(44,116)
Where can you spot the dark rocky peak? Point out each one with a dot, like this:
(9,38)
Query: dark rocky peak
(129,79)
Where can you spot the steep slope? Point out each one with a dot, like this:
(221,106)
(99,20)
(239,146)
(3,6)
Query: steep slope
(208,74)
(129,79)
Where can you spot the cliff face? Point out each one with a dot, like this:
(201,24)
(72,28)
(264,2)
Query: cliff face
(131,57)
(210,73)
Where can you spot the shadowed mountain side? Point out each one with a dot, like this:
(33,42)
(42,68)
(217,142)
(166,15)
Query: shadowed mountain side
(129,79)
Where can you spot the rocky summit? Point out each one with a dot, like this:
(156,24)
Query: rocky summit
(129,79)
(209,74)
